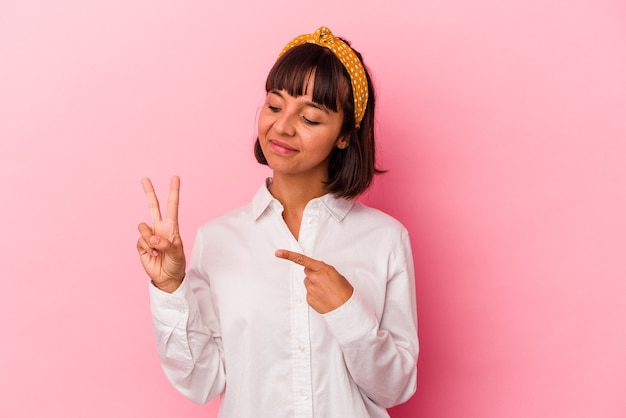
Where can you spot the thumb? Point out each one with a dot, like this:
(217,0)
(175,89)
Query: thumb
(160,244)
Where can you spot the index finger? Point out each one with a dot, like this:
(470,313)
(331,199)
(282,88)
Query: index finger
(172,199)
(301,259)
(153,202)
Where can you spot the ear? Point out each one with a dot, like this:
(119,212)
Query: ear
(343,141)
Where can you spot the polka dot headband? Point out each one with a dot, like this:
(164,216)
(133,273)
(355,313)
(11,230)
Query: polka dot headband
(325,38)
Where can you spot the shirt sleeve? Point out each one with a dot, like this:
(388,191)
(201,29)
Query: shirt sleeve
(381,355)
(188,339)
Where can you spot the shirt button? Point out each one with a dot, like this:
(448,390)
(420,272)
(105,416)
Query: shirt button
(298,301)
(303,395)
(301,348)
(311,221)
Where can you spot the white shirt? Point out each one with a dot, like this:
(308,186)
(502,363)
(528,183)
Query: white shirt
(239,324)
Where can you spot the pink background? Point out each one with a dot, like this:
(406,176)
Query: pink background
(503,125)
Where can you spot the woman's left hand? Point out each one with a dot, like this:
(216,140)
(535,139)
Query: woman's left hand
(326,288)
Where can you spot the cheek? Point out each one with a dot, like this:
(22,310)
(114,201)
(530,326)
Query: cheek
(263,123)
(321,148)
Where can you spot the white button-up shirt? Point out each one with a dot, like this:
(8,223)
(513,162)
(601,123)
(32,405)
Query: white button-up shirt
(239,324)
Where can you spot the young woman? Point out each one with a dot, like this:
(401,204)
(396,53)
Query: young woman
(257,316)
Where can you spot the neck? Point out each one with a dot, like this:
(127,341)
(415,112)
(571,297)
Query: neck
(294,193)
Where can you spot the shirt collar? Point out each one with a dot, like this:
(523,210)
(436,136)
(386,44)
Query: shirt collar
(336,206)
(262,199)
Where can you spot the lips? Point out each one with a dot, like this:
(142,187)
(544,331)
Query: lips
(281,148)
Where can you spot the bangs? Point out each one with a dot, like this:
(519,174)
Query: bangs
(293,70)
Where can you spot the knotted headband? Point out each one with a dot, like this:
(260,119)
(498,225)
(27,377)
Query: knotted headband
(325,38)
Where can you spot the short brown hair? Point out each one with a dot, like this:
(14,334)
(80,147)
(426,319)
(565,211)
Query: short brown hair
(351,170)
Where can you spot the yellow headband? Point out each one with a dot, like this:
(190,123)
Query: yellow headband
(325,38)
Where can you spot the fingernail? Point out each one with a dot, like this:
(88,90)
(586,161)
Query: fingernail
(154,240)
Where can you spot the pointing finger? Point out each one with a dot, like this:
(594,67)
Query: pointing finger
(153,202)
(301,259)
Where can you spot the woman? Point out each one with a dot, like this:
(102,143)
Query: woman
(258,317)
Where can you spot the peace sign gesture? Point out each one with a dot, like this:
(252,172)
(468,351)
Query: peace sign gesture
(160,246)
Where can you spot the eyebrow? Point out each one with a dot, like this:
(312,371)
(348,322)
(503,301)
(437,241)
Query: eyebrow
(308,103)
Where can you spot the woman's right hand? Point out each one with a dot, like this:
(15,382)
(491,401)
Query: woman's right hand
(160,246)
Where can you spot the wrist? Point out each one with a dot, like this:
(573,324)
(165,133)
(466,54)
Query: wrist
(169,285)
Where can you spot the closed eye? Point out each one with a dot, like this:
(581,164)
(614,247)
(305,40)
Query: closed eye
(309,121)
(273,108)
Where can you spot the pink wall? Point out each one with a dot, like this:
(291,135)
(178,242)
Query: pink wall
(503,125)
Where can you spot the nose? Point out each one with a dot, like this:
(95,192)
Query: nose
(285,123)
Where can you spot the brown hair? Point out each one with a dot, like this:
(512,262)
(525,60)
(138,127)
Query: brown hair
(351,170)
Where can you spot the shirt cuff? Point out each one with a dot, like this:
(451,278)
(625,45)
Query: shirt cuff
(352,320)
(171,309)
